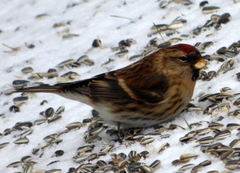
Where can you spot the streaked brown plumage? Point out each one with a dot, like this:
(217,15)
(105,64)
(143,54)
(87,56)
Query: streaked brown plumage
(153,90)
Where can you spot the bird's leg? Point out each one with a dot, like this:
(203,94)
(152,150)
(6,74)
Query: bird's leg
(119,132)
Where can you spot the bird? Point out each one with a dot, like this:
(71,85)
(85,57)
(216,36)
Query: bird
(148,92)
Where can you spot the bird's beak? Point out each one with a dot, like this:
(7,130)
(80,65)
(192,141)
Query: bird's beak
(200,64)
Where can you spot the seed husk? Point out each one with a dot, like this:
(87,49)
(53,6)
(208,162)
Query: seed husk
(214,126)
(97,43)
(21,141)
(74,125)
(210,9)
(55,119)
(187,157)
(155,165)
(69,36)
(145,141)
(14,109)
(232,126)
(4,144)
(163,147)
(206,140)
(134,156)
(54,171)
(27,70)
(222,135)
(186,167)
(60,110)
(14,164)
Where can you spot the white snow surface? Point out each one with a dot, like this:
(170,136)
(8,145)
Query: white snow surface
(111,22)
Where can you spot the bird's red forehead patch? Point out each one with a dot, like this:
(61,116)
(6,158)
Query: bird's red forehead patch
(186,48)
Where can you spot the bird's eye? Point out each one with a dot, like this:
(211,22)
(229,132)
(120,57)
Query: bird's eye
(183,58)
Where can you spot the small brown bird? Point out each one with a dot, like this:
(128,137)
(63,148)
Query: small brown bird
(150,91)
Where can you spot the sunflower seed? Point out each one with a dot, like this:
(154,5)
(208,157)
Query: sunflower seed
(235,143)
(186,167)
(206,140)
(187,157)
(232,126)
(22,125)
(40,16)
(144,154)
(26,159)
(26,133)
(97,43)
(224,18)
(222,135)
(69,36)
(145,141)
(163,4)
(237,103)
(66,64)
(55,119)
(134,156)
(226,155)
(70,75)
(88,62)
(163,147)
(60,110)
(121,53)
(160,27)
(203,3)
(20,83)
(226,66)
(21,141)
(27,70)
(206,163)
(155,165)
(91,138)
(20,100)
(146,169)
(14,164)
(4,144)
(49,112)
(213,126)
(54,171)
(74,125)
(92,157)
(210,9)
(51,137)
(101,163)
(40,121)
(82,58)
(203,131)
(107,148)
(135,57)
(196,169)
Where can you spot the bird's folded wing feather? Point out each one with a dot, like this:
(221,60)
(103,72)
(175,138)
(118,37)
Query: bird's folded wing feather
(109,87)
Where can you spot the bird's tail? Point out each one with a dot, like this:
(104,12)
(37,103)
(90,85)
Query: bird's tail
(43,89)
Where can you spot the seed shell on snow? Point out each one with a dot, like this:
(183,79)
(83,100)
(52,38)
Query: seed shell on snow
(54,171)
(155,165)
(145,141)
(187,157)
(23,140)
(210,9)
(14,164)
(69,36)
(4,144)
(27,70)
(186,167)
(205,140)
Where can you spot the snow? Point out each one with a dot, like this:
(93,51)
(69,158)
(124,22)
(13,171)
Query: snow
(111,22)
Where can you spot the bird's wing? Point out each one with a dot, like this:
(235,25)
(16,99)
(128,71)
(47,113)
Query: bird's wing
(111,87)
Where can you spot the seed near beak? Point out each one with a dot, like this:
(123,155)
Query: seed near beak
(200,64)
